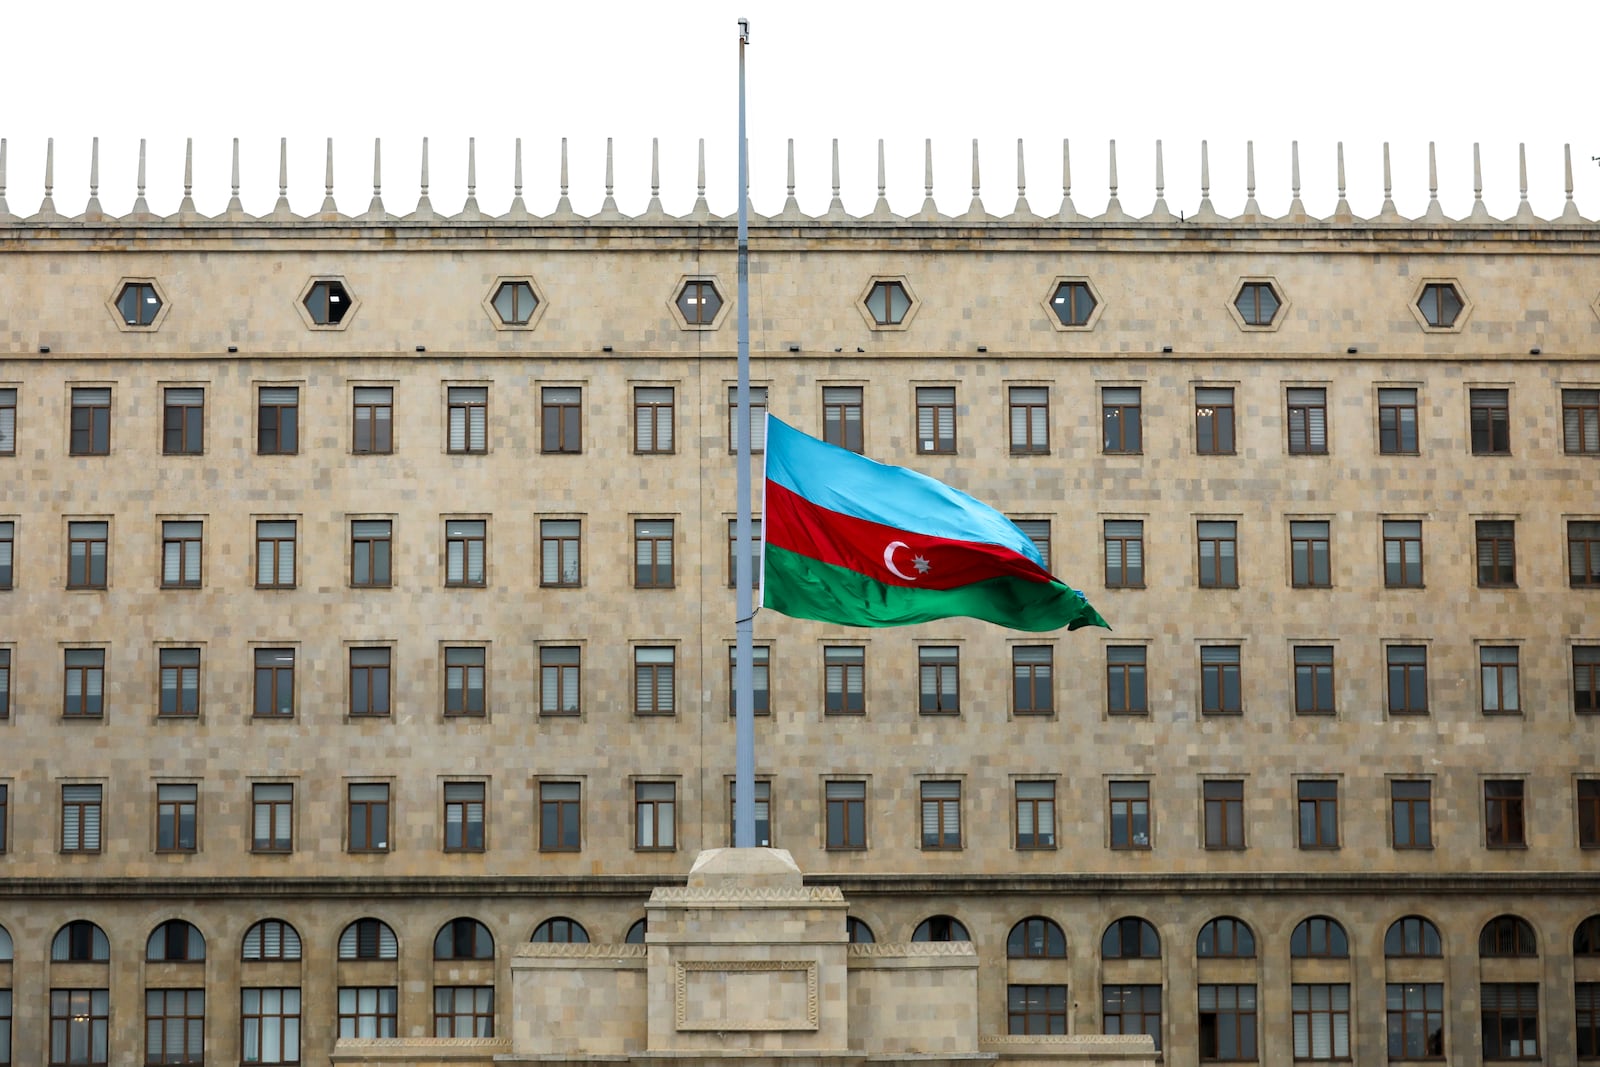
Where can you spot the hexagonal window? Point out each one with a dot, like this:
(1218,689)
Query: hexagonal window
(1440,305)
(1258,303)
(328,302)
(138,304)
(515,302)
(888,303)
(1073,303)
(699,302)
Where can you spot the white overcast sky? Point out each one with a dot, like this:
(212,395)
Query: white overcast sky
(1359,71)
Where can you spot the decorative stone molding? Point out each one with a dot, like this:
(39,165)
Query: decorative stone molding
(684,968)
(585,951)
(912,948)
(823,894)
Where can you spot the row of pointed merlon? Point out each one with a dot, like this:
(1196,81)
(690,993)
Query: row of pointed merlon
(1067,213)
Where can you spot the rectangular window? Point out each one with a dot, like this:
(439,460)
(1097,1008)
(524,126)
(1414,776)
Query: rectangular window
(1583,554)
(1580,421)
(1213,421)
(8,541)
(274,682)
(652,553)
(371,548)
(936,419)
(1221,692)
(1411,808)
(655,821)
(463,817)
(1132,1009)
(1588,795)
(1321,1022)
(1308,422)
(372,420)
(1036,1009)
(180,554)
(760,678)
(1219,546)
(841,416)
(5,683)
(1490,410)
(1586,679)
(469,418)
(463,1011)
(174,1025)
(8,423)
(1416,1020)
(1036,815)
(80,818)
(85,683)
(1038,532)
(1130,815)
(91,422)
(1119,408)
(940,670)
(465,549)
(272,817)
(758,419)
(88,547)
(1224,804)
(1227,1023)
(653,682)
(80,1021)
(1402,553)
(1510,1020)
(755,552)
(941,815)
(464,681)
(559,558)
(1032,687)
(1319,814)
(1408,679)
(560,811)
(1313,680)
(563,418)
(846,814)
(1497,553)
(278,420)
(269,1025)
(1308,555)
(652,419)
(1503,813)
(844,671)
(1124,553)
(1498,670)
(1586,996)
(1030,420)
(369,817)
(1126,692)
(369,1011)
(560,674)
(275,553)
(176,828)
(180,682)
(369,682)
(1397,421)
(183,422)
(763,814)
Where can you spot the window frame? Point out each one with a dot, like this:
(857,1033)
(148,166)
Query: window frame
(935,407)
(1222,546)
(384,1023)
(1033,680)
(1314,677)
(1222,809)
(82,574)
(758,411)
(763,799)
(1583,553)
(850,697)
(658,813)
(1495,406)
(266,1020)
(1305,405)
(376,816)
(1500,685)
(83,684)
(280,419)
(942,665)
(1221,665)
(176,539)
(939,806)
(1247,304)
(368,543)
(1121,659)
(662,673)
(88,837)
(1032,1004)
(371,693)
(1310,554)
(273,556)
(760,679)
(190,421)
(1398,573)
(171,802)
(755,552)
(1328,1014)
(1317,805)
(466,419)
(1041,809)
(1585,679)
(461,807)
(1393,436)
(462,576)
(648,438)
(1505,813)
(94,1018)
(1122,419)
(89,434)
(377,415)
(1120,565)
(458,701)
(1127,804)
(656,573)
(8,554)
(8,421)
(552,665)
(279,818)
(1580,422)
(1495,541)
(165,1000)
(1406,1021)
(1522,1024)
(478,1018)
(845,810)
(1034,415)
(844,416)
(561,813)
(565,414)
(1586,800)
(1413,678)
(271,660)
(1215,428)
(1414,811)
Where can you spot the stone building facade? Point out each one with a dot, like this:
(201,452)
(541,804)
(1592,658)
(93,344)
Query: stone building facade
(364,573)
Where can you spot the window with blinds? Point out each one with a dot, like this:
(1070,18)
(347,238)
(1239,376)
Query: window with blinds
(560,669)
(1030,420)
(371,547)
(84,689)
(1308,555)
(1397,421)
(1120,410)
(559,541)
(275,554)
(763,818)
(844,671)
(1213,421)
(758,419)
(180,554)
(1583,553)
(1580,421)
(1036,814)
(936,419)
(1402,553)
(1124,553)
(5,686)
(176,810)
(88,548)
(271,939)
(653,690)
(1219,566)
(1308,421)
(180,681)
(80,818)
(1221,692)
(941,815)
(1032,687)
(652,419)
(939,670)
(8,422)
(1510,1020)
(368,939)
(464,674)
(841,416)
(183,422)
(1497,553)
(8,540)
(465,550)
(1501,691)
(1321,1022)
(1490,413)
(372,420)
(652,553)
(1126,689)
(369,818)
(1038,533)
(91,422)
(463,817)
(272,820)
(468,418)
(760,679)
(755,552)
(278,420)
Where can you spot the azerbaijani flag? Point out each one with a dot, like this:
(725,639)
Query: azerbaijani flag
(853,541)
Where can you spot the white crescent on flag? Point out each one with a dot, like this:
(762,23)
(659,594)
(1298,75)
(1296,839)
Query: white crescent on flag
(888,561)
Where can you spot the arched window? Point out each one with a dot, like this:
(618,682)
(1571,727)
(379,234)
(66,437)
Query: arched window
(1507,935)
(1036,937)
(1319,937)
(560,931)
(271,939)
(463,939)
(858,932)
(368,939)
(1412,936)
(80,941)
(1225,938)
(1130,939)
(5,945)
(1585,939)
(940,928)
(637,931)
(175,941)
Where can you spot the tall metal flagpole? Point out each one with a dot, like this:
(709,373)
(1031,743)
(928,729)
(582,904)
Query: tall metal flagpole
(744,781)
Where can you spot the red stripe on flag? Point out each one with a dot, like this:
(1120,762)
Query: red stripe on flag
(884,553)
